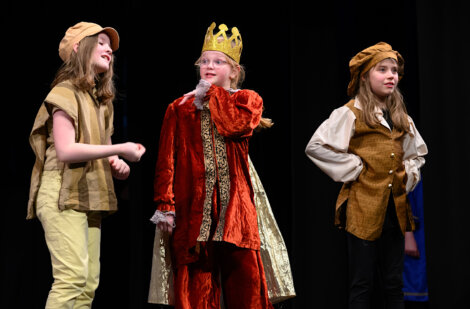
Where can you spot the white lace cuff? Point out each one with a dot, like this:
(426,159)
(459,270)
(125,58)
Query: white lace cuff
(160,216)
(201,90)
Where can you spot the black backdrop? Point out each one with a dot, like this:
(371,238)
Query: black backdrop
(296,57)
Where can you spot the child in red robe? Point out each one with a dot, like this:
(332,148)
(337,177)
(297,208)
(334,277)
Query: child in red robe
(203,190)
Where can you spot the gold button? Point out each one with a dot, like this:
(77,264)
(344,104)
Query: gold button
(390,172)
(392,155)
(389,185)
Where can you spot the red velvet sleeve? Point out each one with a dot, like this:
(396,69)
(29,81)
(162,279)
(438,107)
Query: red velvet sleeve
(164,172)
(235,115)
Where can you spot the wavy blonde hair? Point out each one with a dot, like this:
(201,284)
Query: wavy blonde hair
(394,103)
(79,69)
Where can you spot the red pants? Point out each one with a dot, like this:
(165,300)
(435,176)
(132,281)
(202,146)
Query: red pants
(237,273)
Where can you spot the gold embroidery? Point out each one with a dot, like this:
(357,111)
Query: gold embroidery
(213,143)
(209,166)
(224,182)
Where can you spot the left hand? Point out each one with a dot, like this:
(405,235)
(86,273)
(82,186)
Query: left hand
(119,168)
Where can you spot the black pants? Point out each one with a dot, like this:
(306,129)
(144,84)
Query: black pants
(380,259)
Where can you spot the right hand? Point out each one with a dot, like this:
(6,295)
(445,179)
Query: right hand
(187,96)
(167,226)
(132,151)
(199,92)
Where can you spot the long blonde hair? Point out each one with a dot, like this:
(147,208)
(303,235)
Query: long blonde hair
(394,103)
(80,71)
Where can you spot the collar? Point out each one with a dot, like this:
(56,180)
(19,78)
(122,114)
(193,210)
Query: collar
(378,112)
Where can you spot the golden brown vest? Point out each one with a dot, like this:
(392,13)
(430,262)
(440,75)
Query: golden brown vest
(383,172)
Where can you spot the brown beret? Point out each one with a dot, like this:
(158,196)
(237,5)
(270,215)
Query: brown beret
(363,61)
(81,30)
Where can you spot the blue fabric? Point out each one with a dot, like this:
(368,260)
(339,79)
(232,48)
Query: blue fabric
(415,285)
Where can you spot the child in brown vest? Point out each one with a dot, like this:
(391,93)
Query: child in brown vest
(373,147)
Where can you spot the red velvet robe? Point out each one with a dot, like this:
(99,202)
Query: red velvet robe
(203,160)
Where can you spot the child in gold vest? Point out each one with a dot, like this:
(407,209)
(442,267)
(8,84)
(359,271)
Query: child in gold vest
(372,145)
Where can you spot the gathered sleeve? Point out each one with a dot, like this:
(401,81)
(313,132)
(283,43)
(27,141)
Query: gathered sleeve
(235,115)
(328,147)
(414,149)
(165,167)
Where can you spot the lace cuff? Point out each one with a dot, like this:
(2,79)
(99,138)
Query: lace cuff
(160,216)
(201,90)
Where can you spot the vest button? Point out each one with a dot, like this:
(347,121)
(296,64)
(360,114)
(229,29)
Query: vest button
(389,185)
(392,155)
(390,172)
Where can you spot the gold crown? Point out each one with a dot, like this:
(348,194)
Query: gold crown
(232,47)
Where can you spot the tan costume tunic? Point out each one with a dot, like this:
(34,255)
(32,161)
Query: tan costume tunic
(86,186)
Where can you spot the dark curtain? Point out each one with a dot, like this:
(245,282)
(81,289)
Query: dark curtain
(296,56)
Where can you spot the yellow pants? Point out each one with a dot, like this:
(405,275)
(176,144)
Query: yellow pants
(73,239)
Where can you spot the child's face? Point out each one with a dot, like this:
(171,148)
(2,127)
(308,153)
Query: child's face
(102,54)
(383,78)
(214,68)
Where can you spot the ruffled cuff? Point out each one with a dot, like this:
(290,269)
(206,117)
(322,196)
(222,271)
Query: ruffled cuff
(201,90)
(413,175)
(160,216)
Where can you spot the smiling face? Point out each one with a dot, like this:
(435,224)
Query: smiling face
(383,78)
(102,54)
(214,68)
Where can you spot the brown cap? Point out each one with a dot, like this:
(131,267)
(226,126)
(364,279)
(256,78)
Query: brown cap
(363,61)
(81,30)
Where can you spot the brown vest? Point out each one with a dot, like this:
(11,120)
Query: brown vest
(383,172)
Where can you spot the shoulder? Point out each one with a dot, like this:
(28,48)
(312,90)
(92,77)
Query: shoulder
(347,111)
(351,103)
(64,93)
(246,92)
(64,97)
(410,120)
(63,89)
(247,97)
(413,131)
(353,107)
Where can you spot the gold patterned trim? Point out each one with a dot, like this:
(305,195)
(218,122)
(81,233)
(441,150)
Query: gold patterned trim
(209,165)
(216,168)
(224,182)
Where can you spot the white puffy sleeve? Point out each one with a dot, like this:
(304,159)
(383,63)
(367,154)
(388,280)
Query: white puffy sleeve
(328,147)
(414,151)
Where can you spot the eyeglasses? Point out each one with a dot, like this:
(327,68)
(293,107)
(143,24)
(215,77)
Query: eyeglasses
(215,63)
